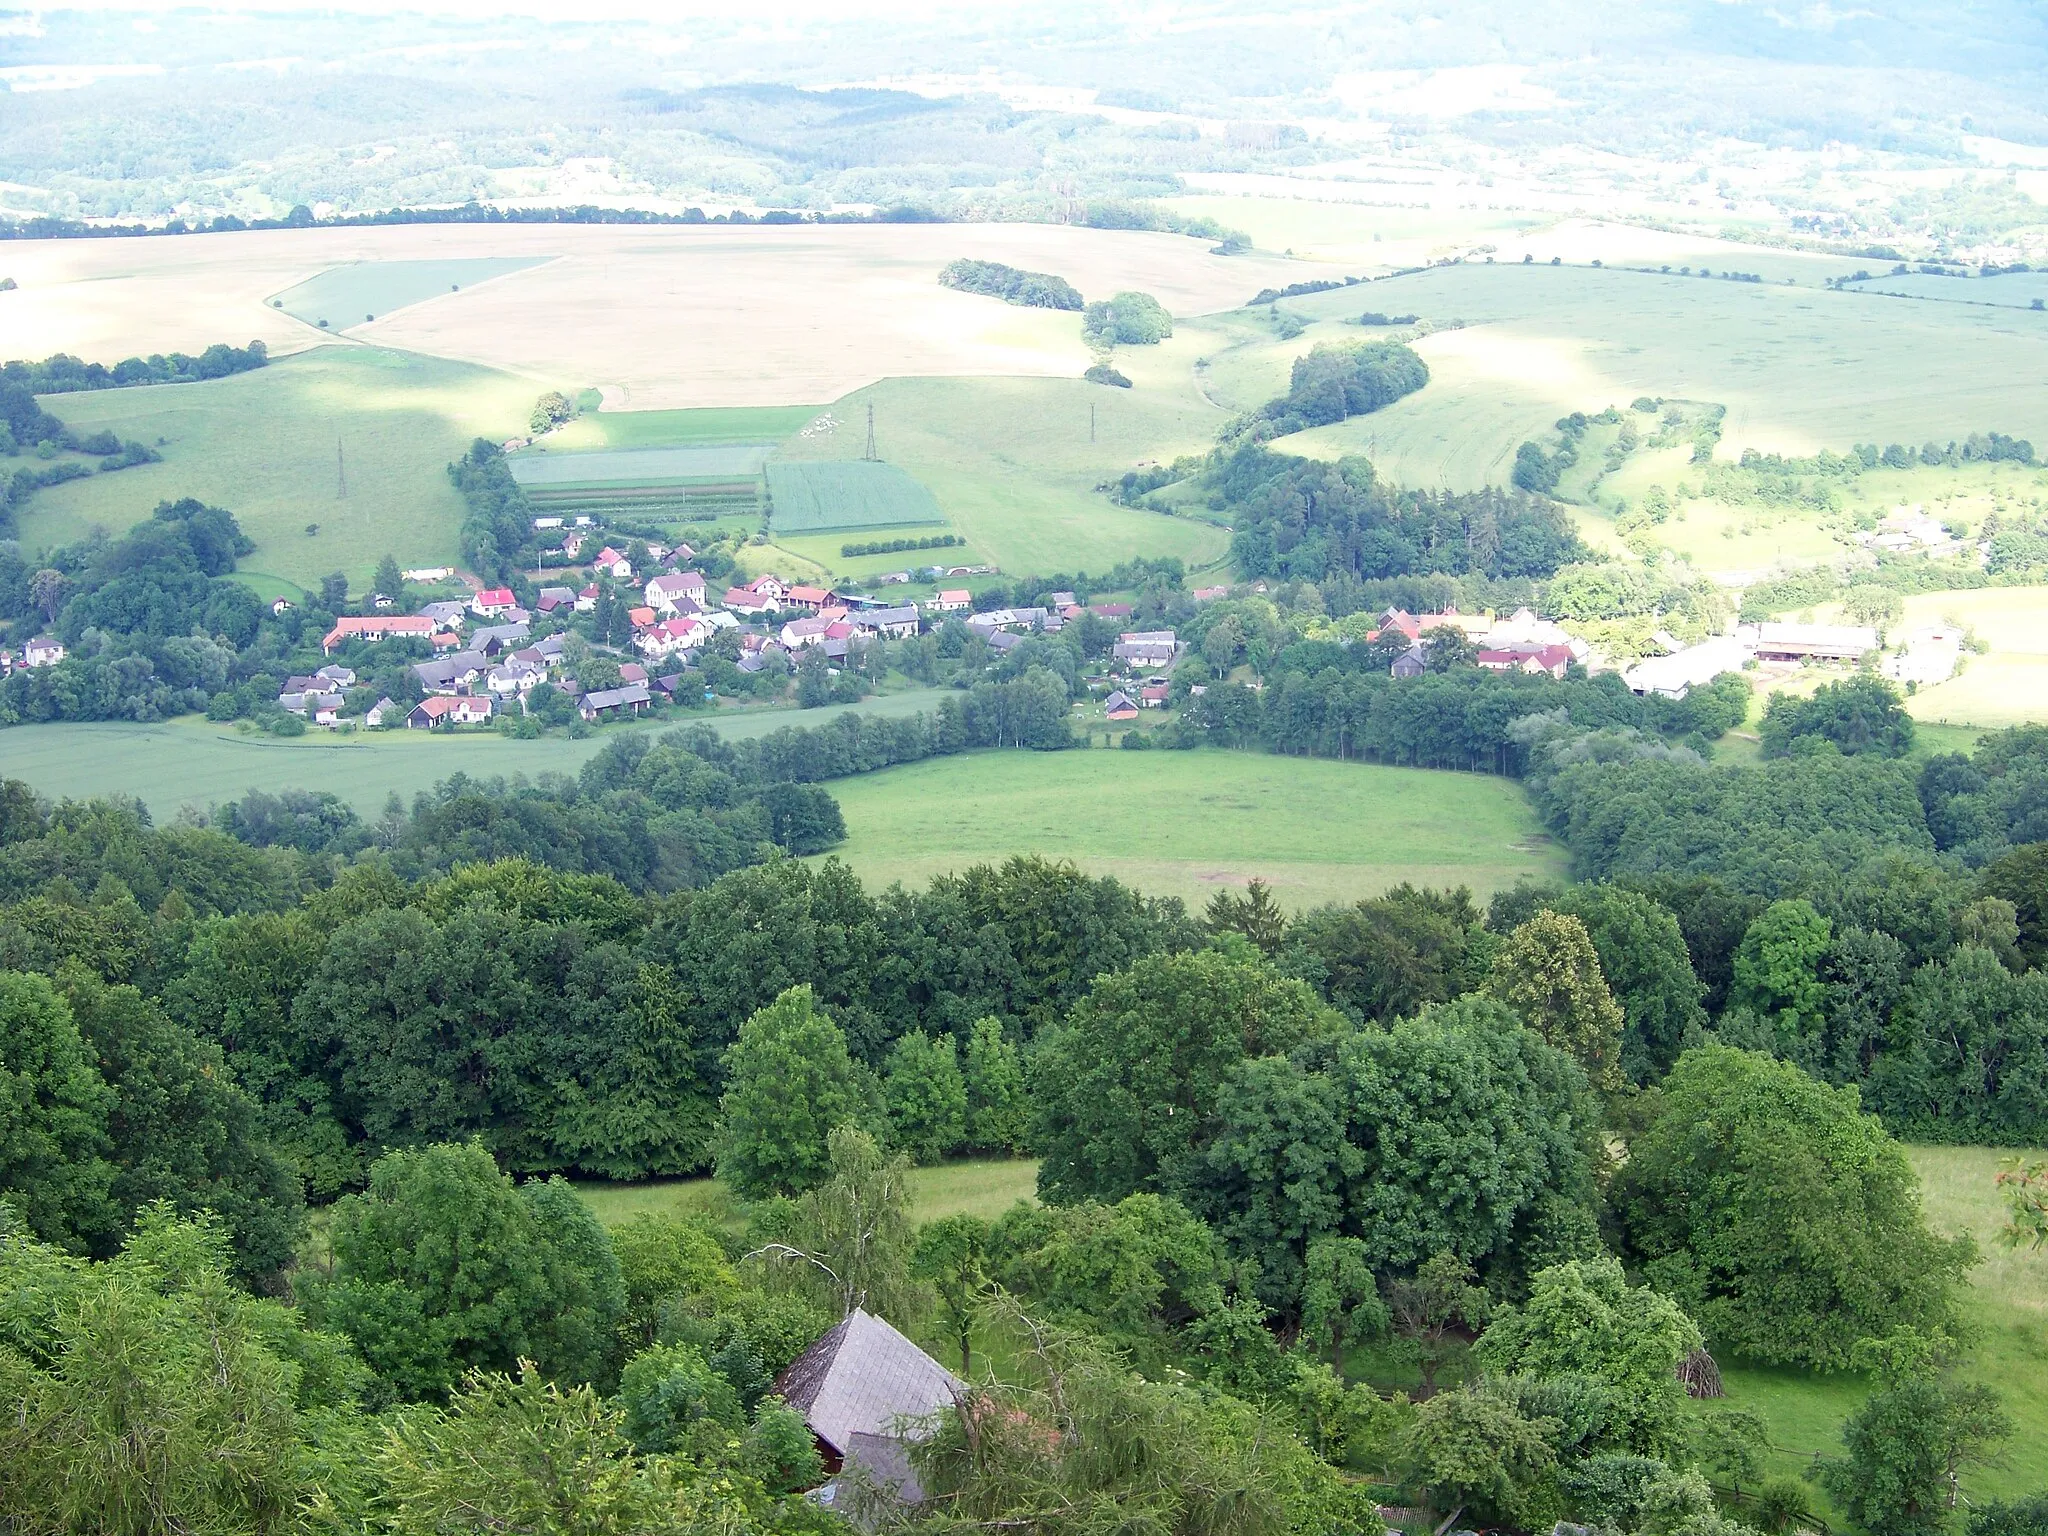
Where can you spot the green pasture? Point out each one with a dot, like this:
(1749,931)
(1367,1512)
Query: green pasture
(677,429)
(1798,368)
(352,295)
(1189,824)
(984,1187)
(265,445)
(1013,468)
(191,761)
(811,496)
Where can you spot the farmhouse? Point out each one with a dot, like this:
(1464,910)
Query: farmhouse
(1146,648)
(1929,656)
(889,623)
(1154,695)
(492,601)
(42,652)
(954,600)
(1551,660)
(810,599)
(671,636)
(441,710)
(280,606)
(664,593)
(866,1393)
(630,699)
(513,678)
(376,627)
(748,603)
(611,563)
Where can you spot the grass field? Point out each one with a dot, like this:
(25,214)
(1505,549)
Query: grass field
(343,298)
(264,445)
(2016,290)
(1190,823)
(980,1187)
(2009,686)
(1798,368)
(680,429)
(1013,467)
(809,496)
(192,762)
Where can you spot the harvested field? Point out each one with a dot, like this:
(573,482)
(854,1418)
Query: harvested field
(817,497)
(671,316)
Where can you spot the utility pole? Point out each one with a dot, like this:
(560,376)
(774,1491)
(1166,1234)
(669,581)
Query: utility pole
(341,472)
(871,454)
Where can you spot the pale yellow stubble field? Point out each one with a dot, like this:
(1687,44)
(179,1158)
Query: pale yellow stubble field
(670,316)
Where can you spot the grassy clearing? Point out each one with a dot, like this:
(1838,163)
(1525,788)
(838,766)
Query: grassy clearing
(263,445)
(1013,467)
(1798,368)
(193,762)
(2009,686)
(641,466)
(819,497)
(679,429)
(2007,1304)
(977,1187)
(342,297)
(1189,823)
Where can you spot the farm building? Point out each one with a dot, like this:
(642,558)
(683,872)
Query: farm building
(1145,649)
(552,598)
(427,574)
(631,699)
(953,600)
(1676,675)
(867,1393)
(889,623)
(376,627)
(1154,695)
(748,603)
(441,710)
(451,674)
(1813,642)
(1120,706)
(809,599)
(1412,662)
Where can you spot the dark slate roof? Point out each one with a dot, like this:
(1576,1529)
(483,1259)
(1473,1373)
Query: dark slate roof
(865,1378)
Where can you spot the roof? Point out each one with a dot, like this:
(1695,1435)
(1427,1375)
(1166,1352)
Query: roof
(956,595)
(495,597)
(808,594)
(611,698)
(865,1378)
(1118,701)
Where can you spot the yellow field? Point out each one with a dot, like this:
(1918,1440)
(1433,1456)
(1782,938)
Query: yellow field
(668,316)
(2009,686)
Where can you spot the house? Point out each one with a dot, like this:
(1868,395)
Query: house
(1002,642)
(514,678)
(640,618)
(1008,618)
(610,562)
(810,599)
(42,652)
(1929,656)
(383,712)
(323,708)
(671,636)
(1120,706)
(492,601)
(768,584)
(663,593)
(866,1393)
(1410,663)
(1553,659)
(630,699)
(632,672)
(1058,601)
(450,615)
(1146,648)
(441,710)
(953,600)
(280,605)
(552,598)
(377,627)
(493,638)
(1210,594)
(748,603)
(382,601)
(1814,642)
(338,675)
(889,623)
(668,687)
(1153,696)
(586,599)
(450,674)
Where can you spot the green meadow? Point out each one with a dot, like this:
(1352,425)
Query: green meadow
(275,446)
(681,429)
(191,761)
(1189,824)
(1799,368)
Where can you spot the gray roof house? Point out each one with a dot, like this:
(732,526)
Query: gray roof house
(867,1392)
(1412,662)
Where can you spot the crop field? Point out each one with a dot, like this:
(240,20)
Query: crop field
(273,446)
(815,497)
(190,761)
(345,298)
(706,315)
(639,466)
(1799,369)
(1190,823)
(2015,290)
(679,429)
(1014,463)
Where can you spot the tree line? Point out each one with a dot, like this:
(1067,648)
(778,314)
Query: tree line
(60,373)
(1032,290)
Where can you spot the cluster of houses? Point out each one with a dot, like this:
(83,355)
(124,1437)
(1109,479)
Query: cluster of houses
(1686,667)
(43,651)
(1520,642)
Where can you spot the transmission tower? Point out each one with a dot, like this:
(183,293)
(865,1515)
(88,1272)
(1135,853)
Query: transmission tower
(871,454)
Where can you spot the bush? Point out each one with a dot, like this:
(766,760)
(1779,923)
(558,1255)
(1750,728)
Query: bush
(1102,373)
(1129,320)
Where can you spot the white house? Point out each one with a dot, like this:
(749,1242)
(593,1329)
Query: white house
(42,652)
(664,593)
(492,601)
